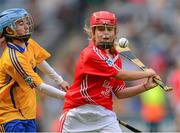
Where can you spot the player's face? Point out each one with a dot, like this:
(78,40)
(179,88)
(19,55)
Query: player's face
(22,26)
(104,33)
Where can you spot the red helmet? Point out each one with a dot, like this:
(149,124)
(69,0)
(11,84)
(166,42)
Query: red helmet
(103,17)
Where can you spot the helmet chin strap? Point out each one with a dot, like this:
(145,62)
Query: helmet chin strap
(105,45)
(23,38)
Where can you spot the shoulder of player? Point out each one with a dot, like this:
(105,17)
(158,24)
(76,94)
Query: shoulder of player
(88,53)
(32,42)
(34,45)
(9,59)
(92,55)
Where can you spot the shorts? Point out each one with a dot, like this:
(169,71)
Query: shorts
(89,118)
(19,126)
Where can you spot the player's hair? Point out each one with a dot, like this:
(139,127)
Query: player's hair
(87,29)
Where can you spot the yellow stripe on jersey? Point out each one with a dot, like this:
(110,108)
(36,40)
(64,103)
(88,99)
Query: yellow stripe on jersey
(19,68)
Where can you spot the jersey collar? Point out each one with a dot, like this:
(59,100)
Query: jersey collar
(16,47)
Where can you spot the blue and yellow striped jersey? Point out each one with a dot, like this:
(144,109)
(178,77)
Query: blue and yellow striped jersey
(18,80)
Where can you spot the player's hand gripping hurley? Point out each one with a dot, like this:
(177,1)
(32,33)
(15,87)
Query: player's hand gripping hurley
(123,50)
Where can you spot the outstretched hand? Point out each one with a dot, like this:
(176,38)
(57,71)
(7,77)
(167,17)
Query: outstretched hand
(64,85)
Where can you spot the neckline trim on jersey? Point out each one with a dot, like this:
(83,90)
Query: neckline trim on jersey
(17,47)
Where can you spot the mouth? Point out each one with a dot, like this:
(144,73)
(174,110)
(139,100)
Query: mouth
(106,39)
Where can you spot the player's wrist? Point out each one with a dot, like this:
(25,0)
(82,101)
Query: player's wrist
(145,87)
(60,80)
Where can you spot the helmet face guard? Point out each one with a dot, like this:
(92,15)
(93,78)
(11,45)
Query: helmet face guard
(105,45)
(10,19)
(103,18)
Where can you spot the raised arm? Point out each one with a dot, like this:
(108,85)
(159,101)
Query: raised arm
(135,90)
(47,69)
(134,75)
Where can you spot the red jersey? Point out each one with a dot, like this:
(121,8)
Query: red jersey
(94,79)
(175,82)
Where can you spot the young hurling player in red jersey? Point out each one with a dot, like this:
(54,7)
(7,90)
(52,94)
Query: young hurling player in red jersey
(98,74)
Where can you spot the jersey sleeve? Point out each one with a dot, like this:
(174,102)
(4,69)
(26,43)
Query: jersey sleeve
(98,65)
(22,71)
(40,53)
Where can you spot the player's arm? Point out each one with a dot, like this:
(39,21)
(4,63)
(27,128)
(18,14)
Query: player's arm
(47,69)
(51,91)
(25,76)
(97,64)
(130,91)
(135,90)
(134,75)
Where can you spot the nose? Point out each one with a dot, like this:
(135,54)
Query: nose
(26,26)
(106,35)
(106,30)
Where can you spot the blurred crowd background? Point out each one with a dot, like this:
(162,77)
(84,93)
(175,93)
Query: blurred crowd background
(153,30)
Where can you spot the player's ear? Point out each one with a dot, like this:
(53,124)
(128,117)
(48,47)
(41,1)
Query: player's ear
(9,31)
